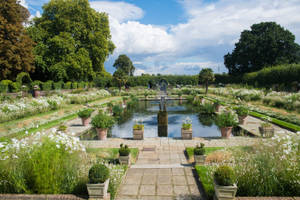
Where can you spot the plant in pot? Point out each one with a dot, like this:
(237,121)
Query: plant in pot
(85,116)
(138,130)
(124,155)
(226,121)
(199,156)
(242,114)
(117,110)
(224,183)
(186,129)
(36,91)
(266,129)
(217,104)
(102,123)
(98,182)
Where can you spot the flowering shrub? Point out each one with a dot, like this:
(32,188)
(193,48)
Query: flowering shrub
(44,164)
(86,96)
(187,123)
(271,170)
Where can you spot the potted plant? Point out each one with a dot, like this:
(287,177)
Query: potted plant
(242,114)
(266,129)
(138,131)
(217,104)
(226,121)
(102,122)
(110,106)
(199,156)
(36,91)
(98,182)
(124,155)
(224,183)
(85,116)
(186,129)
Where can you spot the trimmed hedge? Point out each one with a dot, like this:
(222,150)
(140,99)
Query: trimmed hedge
(68,85)
(46,86)
(58,85)
(4,85)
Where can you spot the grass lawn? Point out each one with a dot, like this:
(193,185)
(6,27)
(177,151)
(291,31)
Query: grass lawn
(112,153)
(206,180)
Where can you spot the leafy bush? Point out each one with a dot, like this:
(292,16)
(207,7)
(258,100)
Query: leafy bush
(58,85)
(103,121)
(224,175)
(74,85)
(68,85)
(15,87)
(117,110)
(226,119)
(207,108)
(242,111)
(98,173)
(187,123)
(199,150)
(36,82)
(124,150)
(4,86)
(81,85)
(46,86)
(85,113)
(138,127)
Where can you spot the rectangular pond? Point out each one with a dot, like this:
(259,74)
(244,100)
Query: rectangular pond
(148,111)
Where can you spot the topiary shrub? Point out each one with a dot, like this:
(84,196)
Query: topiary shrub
(4,86)
(199,149)
(68,85)
(81,85)
(98,174)
(74,85)
(85,113)
(124,150)
(224,176)
(15,87)
(47,86)
(58,85)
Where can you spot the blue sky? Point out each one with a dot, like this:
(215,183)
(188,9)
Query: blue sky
(183,36)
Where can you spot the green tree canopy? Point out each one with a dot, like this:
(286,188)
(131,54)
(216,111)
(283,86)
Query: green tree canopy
(124,63)
(266,44)
(73,41)
(120,78)
(206,76)
(15,45)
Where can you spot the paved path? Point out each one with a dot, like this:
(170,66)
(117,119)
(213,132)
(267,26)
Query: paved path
(160,174)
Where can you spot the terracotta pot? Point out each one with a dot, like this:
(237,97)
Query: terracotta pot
(85,121)
(36,93)
(186,134)
(242,119)
(102,133)
(226,132)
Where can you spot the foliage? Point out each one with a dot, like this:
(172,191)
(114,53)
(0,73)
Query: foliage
(124,150)
(74,85)
(138,127)
(23,78)
(68,85)
(120,78)
(224,175)
(206,180)
(242,111)
(124,63)
(98,173)
(275,163)
(117,110)
(226,119)
(206,76)
(58,85)
(4,86)
(266,44)
(199,149)
(187,123)
(70,47)
(102,121)
(207,108)
(16,46)
(85,113)
(44,164)
(46,86)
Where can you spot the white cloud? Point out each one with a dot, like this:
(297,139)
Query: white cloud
(23,3)
(119,10)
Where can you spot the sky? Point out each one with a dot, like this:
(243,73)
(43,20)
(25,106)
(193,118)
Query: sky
(183,36)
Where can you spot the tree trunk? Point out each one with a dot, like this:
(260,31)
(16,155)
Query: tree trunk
(206,87)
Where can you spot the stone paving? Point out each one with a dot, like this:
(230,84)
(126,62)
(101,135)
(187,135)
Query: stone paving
(160,174)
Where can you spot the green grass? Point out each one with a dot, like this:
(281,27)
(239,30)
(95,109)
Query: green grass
(208,150)
(112,153)
(206,180)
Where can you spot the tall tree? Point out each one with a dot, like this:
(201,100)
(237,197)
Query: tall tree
(73,41)
(15,45)
(120,77)
(124,63)
(266,44)
(206,76)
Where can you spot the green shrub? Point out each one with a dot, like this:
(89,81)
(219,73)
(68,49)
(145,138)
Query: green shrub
(199,150)
(4,86)
(58,85)
(138,127)
(103,121)
(81,85)
(85,113)
(124,150)
(15,87)
(36,82)
(74,85)
(207,108)
(242,111)
(98,173)
(47,86)
(68,85)
(224,175)
(226,119)
(117,110)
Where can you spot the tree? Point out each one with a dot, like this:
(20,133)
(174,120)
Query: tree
(206,76)
(124,63)
(266,44)
(120,77)
(15,45)
(73,41)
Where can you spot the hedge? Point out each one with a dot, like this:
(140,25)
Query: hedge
(74,85)
(58,85)
(68,85)
(46,86)
(4,85)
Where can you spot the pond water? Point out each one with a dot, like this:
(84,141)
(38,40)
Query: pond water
(177,111)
